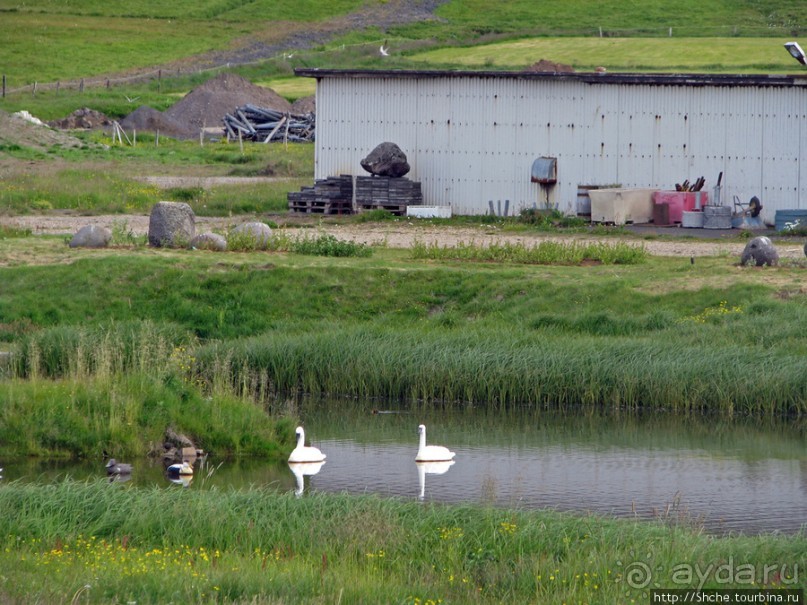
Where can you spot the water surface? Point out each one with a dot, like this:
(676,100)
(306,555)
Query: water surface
(739,476)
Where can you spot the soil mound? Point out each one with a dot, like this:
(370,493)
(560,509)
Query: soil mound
(304,105)
(148,119)
(84,118)
(544,66)
(25,133)
(206,105)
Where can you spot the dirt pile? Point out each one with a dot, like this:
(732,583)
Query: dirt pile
(304,105)
(206,105)
(148,119)
(544,66)
(84,118)
(19,131)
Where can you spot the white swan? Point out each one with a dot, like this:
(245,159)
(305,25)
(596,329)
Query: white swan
(302,453)
(180,469)
(431,453)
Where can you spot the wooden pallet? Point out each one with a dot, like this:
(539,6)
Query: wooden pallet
(319,206)
(396,209)
(333,195)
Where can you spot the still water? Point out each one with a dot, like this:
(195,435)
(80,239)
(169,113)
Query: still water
(738,476)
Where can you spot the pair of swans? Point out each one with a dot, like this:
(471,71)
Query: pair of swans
(430,459)
(426,453)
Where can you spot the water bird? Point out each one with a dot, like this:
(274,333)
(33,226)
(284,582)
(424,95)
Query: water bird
(303,453)
(182,468)
(431,453)
(113,467)
(384,49)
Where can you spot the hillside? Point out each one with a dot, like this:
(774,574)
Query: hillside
(105,41)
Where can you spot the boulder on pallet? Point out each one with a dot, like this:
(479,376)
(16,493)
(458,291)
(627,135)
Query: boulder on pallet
(171,224)
(387,159)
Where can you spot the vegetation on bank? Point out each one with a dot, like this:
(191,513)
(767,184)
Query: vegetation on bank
(391,325)
(100,542)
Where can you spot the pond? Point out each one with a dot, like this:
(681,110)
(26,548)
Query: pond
(724,476)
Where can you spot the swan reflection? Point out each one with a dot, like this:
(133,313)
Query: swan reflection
(300,470)
(431,468)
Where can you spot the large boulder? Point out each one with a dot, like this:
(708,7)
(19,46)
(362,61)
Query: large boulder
(171,224)
(386,159)
(91,236)
(254,234)
(760,251)
(209,241)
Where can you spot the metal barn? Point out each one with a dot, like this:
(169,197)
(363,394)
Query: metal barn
(472,138)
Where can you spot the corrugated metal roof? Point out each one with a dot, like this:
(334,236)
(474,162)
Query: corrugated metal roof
(588,77)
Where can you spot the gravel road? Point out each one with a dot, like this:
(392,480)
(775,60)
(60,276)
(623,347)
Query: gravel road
(400,234)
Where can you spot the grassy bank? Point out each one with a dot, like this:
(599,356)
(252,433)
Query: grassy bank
(394,325)
(104,543)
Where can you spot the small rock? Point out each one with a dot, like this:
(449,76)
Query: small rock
(91,236)
(387,159)
(255,232)
(209,241)
(171,224)
(761,251)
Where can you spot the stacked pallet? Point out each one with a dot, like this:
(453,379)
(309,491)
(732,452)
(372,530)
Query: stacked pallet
(387,193)
(333,195)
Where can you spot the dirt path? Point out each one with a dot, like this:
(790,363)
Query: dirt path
(394,234)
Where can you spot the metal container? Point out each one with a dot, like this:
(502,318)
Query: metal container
(584,201)
(716,217)
(790,220)
(692,219)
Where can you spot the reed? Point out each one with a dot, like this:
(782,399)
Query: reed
(543,253)
(260,546)
(127,416)
(507,367)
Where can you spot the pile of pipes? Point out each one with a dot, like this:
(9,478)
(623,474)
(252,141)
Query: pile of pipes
(687,186)
(264,125)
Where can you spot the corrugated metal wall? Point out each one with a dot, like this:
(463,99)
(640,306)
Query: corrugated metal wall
(472,140)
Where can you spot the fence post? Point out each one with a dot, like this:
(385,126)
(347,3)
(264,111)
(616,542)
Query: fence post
(81,85)
(4,86)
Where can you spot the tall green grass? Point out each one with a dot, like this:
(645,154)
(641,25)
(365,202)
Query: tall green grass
(106,543)
(661,334)
(509,367)
(543,253)
(115,388)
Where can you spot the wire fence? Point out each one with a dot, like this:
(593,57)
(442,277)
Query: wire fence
(688,31)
